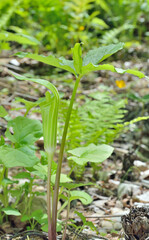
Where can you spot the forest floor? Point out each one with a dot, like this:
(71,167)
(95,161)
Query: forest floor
(123,180)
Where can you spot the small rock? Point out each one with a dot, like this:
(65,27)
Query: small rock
(128,189)
(143,197)
(100,203)
(117,226)
(119,204)
(14,62)
(107,225)
(145,174)
(141,165)
(114,182)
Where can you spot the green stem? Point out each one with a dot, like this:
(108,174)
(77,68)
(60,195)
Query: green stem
(5,188)
(31,196)
(67,217)
(50,158)
(57,181)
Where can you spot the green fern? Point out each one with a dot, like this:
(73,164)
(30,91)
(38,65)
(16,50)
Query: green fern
(110,36)
(95,121)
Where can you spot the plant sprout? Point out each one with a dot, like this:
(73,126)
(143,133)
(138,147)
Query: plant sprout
(49,109)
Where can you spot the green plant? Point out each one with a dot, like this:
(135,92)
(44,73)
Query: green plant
(84,224)
(127,13)
(19,153)
(49,109)
(20,38)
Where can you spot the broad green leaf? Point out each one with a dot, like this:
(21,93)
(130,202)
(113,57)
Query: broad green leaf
(26,218)
(77,58)
(37,214)
(2,141)
(70,186)
(20,38)
(91,153)
(23,175)
(3,112)
(11,211)
(40,170)
(63,178)
(25,130)
(20,157)
(90,67)
(97,55)
(50,60)
(82,196)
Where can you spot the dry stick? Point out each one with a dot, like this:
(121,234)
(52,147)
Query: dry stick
(104,216)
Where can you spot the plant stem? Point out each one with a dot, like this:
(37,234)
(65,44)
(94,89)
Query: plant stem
(67,217)
(57,181)
(50,158)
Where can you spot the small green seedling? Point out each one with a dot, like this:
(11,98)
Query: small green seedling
(79,66)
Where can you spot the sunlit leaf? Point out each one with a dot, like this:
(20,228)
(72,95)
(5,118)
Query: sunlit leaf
(97,55)
(77,57)
(11,211)
(82,196)
(50,60)
(3,112)
(70,186)
(91,153)
(20,157)
(108,67)
(18,37)
(63,178)
(25,130)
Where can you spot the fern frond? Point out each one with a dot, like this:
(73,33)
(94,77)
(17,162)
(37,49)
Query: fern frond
(110,36)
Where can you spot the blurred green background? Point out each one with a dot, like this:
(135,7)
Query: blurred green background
(59,24)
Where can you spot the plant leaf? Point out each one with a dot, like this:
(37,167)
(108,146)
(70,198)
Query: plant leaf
(3,112)
(81,216)
(20,157)
(90,67)
(50,60)
(97,55)
(82,196)
(70,186)
(63,178)
(25,131)
(18,37)
(21,175)
(77,57)
(91,153)
(11,211)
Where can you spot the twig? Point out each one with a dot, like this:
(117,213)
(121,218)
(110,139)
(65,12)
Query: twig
(105,216)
